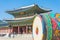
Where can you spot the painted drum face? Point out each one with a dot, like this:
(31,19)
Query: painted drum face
(37,28)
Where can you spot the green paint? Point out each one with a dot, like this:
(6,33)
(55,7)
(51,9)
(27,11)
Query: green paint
(58,24)
(49,26)
(52,15)
(58,16)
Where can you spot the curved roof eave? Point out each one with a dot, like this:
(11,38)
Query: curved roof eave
(27,8)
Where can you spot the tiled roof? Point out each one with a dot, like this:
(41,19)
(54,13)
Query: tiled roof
(2,23)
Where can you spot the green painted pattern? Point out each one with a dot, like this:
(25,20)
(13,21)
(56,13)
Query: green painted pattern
(48,26)
(58,23)
(22,22)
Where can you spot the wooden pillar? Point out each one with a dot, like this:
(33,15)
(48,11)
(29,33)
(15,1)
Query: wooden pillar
(7,30)
(26,29)
(18,29)
(12,30)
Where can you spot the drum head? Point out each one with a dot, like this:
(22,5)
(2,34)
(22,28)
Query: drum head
(38,28)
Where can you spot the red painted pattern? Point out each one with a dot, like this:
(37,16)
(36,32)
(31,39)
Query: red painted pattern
(54,24)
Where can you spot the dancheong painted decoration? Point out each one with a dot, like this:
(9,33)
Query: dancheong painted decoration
(58,17)
(48,25)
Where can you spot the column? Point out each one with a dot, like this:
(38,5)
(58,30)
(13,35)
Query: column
(26,29)
(18,29)
(12,30)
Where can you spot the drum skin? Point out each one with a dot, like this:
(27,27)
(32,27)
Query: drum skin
(38,32)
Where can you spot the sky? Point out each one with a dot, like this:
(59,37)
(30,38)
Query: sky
(14,4)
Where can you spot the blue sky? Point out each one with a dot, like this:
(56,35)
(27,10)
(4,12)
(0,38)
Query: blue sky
(11,4)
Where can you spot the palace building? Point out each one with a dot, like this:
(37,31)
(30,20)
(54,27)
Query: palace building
(3,27)
(23,19)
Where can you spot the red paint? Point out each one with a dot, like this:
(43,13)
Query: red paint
(54,24)
(37,31)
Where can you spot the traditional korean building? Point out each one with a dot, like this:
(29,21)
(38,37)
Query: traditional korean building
(23,18)
(3,27)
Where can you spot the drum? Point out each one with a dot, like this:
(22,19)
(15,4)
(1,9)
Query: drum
(42,27)
(38,29)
